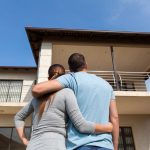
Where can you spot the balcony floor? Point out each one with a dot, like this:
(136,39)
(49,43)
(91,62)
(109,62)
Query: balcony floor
(129,102)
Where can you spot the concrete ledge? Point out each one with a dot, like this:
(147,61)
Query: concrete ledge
(12,104)
(131,93)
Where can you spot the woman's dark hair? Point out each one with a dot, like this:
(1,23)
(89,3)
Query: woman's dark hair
(76,62)
(54,72)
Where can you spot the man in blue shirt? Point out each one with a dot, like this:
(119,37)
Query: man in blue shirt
(95,99)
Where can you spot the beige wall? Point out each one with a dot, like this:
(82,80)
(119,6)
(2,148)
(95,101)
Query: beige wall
(127,57)
(140,127)
(28,75)
(132,58)
(8,121)
(98,57)
(133,102)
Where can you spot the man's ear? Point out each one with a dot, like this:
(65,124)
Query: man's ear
(70,69)
(86,65)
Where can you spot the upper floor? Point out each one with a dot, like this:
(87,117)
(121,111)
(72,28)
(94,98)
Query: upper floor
(123,59)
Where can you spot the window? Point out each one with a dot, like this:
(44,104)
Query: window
(9,139)
(126,141)
(10,90)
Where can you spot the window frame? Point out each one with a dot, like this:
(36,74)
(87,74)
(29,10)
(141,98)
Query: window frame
(123,136)
(9,89)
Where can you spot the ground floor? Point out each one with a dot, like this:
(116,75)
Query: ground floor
(134,133)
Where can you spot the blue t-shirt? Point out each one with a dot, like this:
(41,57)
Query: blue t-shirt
(93,95)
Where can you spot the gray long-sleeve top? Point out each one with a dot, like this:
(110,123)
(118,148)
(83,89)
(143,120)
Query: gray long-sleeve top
(54,117)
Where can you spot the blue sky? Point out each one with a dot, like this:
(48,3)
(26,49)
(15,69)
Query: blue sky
(116,15)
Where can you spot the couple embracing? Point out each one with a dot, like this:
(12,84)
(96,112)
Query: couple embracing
(74,111)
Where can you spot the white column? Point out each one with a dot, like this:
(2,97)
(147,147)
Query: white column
(26,94)
(45,61)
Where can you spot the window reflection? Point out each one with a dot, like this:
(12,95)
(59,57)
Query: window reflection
(126,141)
(9,139)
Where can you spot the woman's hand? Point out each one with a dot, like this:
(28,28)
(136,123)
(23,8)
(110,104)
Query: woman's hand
(110,126)
(25,141)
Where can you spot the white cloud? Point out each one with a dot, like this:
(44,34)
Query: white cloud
(142,5)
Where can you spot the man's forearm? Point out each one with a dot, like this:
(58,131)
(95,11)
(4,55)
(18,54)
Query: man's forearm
(115,133)
(114,119)
(46,87)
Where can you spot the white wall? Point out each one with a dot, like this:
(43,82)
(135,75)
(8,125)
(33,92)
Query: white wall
(140,127)
(28,77)
(45,61)
(8,121)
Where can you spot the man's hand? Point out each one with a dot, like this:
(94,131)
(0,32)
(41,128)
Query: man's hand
(46,87)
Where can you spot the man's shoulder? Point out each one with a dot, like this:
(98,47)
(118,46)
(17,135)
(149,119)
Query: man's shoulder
(101,81)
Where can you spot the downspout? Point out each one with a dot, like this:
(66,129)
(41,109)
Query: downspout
(114,68)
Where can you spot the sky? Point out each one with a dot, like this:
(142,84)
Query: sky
(15,15)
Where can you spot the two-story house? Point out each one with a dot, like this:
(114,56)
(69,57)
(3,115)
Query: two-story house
(122,58)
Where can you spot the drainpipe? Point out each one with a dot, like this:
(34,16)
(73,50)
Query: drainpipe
(114,68)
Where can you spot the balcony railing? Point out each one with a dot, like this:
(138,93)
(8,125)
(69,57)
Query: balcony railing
(128,81)
(15,91)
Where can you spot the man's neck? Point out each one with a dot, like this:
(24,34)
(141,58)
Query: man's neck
(84,70)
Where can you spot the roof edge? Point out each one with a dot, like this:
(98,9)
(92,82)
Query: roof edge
(18,67)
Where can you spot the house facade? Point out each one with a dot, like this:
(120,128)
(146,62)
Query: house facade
(15,91)
(122,58)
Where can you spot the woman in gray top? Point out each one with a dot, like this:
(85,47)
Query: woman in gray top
(50,118)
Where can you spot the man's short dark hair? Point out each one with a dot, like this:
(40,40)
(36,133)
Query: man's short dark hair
(76,62)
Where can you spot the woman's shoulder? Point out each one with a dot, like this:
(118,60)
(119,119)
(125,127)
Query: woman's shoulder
(65,91)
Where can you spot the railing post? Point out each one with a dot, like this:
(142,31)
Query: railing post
(114,68)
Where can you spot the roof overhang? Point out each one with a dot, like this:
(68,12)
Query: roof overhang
(18,67)
(37,35)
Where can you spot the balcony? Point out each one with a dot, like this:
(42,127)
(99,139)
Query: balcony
(127,81)
(132,94)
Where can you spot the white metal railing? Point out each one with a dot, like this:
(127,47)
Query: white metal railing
(127,81)
(133,81)
(107,75)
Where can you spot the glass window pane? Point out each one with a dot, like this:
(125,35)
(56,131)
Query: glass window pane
(130,148)
(121,147)
(5,134)
(15,91)
(28,132)
(10,91)
(127,131)
(9,139)
(129,140)
(126,139)
(4,88)
(16,143)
